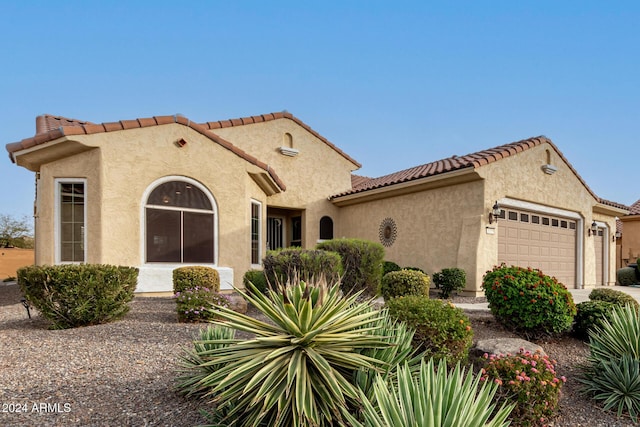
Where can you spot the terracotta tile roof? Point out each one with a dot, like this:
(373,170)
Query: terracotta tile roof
(47,122)
(356,180)
(614,204)
(275,116)
(634,209)
(454,163)
(76,127)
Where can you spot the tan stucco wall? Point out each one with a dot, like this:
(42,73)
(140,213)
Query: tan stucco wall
(449,226)
(125,164)
(83,166)
(436,229)
(521,177)
(311,176)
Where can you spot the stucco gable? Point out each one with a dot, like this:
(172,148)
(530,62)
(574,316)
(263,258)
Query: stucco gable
(458,163)
(71,127)
(221,124)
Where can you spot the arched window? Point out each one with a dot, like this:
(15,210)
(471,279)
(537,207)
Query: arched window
(326,228)
(180,224)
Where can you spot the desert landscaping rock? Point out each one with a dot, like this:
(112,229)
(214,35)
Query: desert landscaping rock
(122,373)
(505,346)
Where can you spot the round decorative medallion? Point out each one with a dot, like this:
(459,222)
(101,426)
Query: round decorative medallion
(388,232)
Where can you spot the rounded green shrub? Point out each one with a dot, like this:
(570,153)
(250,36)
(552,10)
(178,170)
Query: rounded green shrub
(194,304)
(450,280)
(257,278)
(529,302)
(78,295)
(192,276)
(404,282)
(626,276)
(442,330)
(309,265)
(611,295)
(362,262)
(590,314)
(527,380)
(415,269)
(389,266)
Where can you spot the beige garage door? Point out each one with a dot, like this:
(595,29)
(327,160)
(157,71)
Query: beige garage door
(545,242)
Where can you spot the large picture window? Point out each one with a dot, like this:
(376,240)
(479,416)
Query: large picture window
(180,224)
(71,221)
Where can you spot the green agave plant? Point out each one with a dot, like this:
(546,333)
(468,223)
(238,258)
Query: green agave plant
(612,372)
(400,350)
(617,385)
(433,398)
(194,366)
(616,336)
(300,367)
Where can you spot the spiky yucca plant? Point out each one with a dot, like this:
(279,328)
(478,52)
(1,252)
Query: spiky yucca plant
(298,370)
(433,398)
(611,374)
(194,366)
(400,336)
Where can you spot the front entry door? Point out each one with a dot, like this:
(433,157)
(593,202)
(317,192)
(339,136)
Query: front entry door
(275,233)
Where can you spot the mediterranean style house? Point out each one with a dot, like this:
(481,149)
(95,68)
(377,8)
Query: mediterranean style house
(161,192)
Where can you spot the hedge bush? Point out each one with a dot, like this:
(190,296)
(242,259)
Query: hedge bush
(450,280)
(192,276)
(590,314)
(362,262)
(442,330)
(257,278)
(404,282)
(529,302)
(626,276)
(389,266)
(78,295)
(611,295)
(309,265)
(415,269)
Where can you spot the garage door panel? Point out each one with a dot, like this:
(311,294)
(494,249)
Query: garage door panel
(544,242)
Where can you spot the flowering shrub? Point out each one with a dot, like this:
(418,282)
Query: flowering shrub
(529,381)
(193,304)
(529,302)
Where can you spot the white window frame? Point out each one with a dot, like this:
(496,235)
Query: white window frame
(57,233)
(260,238)
(143,222)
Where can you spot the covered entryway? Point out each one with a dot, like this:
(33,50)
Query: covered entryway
(538,240)
(284,228)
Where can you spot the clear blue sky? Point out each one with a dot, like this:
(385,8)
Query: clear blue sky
(394,84)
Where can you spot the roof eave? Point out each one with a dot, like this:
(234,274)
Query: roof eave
(459,176)
(33,157)
(606,209)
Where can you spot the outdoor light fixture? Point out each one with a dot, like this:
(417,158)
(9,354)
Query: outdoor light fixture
(594,229)
(495,213)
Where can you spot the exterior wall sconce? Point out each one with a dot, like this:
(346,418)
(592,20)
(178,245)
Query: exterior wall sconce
(616,235)
(495,213)
(593,230)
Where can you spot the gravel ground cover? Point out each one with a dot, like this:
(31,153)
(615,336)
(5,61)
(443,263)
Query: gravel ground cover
(121,374)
